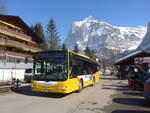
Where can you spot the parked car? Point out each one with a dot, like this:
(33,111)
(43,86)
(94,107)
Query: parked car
(147,89)
(28,75)
(137,77)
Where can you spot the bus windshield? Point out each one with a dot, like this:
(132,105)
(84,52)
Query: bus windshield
(52,69)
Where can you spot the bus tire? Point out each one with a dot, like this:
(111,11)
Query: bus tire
(80,86)
(93,81)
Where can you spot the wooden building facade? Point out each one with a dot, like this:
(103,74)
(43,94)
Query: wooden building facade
(17,45)
(130,59)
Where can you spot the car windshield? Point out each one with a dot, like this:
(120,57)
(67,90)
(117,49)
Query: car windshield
(54,69)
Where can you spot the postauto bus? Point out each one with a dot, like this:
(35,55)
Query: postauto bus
(63,71)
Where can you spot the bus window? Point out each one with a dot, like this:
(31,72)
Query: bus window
(94,68)
(39,68)
(79,67)
(74,69)
(50,70)
(86,68)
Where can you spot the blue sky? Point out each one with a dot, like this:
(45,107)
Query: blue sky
(64,12)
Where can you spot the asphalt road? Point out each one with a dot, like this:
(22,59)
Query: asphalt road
(126,100)
(107,96)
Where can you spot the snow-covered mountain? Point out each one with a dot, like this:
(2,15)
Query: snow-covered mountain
(146,39)
(103,37)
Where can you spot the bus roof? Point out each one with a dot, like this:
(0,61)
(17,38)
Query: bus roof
(82,55)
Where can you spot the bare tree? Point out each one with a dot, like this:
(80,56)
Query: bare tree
(2,7)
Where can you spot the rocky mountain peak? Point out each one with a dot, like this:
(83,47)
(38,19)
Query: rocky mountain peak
(102,37)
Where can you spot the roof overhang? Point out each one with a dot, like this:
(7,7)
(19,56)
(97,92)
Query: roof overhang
(130,56)
(18,22)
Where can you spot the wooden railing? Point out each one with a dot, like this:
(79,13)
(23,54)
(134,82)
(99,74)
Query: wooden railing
(13,53)
(18,54)
(15,34)
(3,41)
(19,45)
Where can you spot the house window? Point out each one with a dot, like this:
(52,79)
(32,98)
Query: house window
(1,36)
(1,58)
(2,48)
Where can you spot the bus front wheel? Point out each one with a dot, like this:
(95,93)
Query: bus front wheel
(80,85)
(93,81)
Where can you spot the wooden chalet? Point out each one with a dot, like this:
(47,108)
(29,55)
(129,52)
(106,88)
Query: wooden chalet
(17,46)
(133,59)
(17,40)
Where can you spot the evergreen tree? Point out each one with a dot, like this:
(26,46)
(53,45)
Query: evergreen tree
(76,48)
(32,27)
(38,29)
(52,35)
(92,53)
(88,52)
(64,47)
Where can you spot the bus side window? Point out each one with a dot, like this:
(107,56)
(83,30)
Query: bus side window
(86,68)
(80,68)
(94,68)
(74,69)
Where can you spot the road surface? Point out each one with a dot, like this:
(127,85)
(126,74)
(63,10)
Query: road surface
(107,96)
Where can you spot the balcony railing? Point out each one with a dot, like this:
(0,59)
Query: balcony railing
(19,45)
(2,41)
(18,54)
(16,34)
(13,53)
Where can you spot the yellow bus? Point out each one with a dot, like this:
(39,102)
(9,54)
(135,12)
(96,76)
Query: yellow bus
(63,71)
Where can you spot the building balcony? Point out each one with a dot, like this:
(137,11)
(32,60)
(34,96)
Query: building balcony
(18,54)
(13,53)
(19,45)
(2,41)
(16,34)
